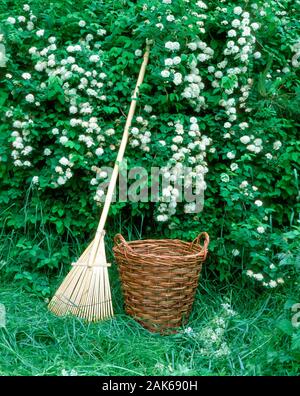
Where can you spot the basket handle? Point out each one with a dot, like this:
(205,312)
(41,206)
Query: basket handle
(120,240)
(205,243)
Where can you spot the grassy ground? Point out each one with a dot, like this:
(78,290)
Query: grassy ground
(230,332)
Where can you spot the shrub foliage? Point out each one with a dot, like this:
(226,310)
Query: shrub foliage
(221,95)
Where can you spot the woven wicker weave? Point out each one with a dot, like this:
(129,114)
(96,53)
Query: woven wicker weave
(159,279)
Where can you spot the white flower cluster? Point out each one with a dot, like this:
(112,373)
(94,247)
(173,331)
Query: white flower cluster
(29,19)
(195,86)
(64,171)
(140,137)
(261,278)
(172,46)
(82,89)
(100,176)
(193,155)
(250,191)
(21,139)
(212,338)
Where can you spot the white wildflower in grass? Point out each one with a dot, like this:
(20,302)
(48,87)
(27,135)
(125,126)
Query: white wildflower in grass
(189,331)
(258,203)
(227,308)
(21,18)
(26,7)
(257,55)
(261,229)
(234,166)
(235,252)
(280,281)
(29,98)
(81,23)
(244,184)
(269,156)
(249,273)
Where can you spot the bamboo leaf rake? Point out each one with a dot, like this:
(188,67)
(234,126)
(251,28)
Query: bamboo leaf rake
(85,292)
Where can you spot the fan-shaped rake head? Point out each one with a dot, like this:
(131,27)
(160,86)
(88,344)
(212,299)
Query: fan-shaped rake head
(85,292)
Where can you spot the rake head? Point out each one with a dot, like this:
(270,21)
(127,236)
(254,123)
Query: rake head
(85,292)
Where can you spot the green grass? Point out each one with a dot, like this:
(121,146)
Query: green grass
(35,342)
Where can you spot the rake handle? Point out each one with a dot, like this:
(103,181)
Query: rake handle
(114,176)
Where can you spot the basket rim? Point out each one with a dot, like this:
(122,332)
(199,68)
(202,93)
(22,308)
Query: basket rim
(199,253)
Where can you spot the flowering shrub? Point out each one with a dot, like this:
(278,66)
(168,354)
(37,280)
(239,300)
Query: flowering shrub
(220,95)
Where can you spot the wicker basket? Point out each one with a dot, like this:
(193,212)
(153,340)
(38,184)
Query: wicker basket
(159,279)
